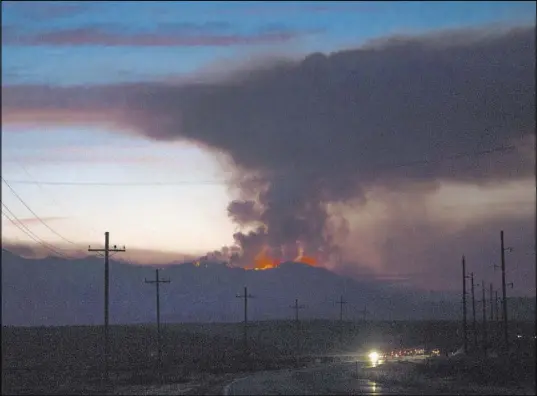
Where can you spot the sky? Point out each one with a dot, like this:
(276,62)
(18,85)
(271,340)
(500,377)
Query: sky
(182,127)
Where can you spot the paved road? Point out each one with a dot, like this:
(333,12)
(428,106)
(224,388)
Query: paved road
(341,379)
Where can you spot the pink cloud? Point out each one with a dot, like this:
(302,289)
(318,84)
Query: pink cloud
(34,220)
(31,105)
(310,8)
(132,255)
(100,37)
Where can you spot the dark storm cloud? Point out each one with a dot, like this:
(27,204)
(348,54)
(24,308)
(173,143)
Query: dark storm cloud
(326,128)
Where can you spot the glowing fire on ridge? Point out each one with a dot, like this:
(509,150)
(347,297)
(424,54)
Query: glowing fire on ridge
(264,261)
(301,258)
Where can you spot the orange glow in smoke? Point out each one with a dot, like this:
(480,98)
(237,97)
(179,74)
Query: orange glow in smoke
(306,260)
(302,258)
(263,261)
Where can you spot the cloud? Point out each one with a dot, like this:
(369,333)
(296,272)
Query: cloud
(131,255)
(34,220)
(329,128)
(45,10)
(413,234)
(177,35)
(89,159)
(275,8)
(20,249)
(38,251)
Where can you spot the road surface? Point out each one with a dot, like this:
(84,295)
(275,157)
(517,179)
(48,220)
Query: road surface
(341,379)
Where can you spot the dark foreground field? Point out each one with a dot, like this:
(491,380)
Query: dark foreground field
(68,360)
(64,360)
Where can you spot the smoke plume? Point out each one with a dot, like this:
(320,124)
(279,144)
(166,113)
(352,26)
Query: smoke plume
(304,135)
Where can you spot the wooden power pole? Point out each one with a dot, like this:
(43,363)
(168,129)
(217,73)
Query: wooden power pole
(474,324)
(341,302)
(157,283)
(364,314)
(107,249)
(504,292)
(497,305)
(296,307)
(491,316)
(484,306)
(245,296)
(464,324)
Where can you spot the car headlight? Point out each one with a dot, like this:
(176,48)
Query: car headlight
(373,356)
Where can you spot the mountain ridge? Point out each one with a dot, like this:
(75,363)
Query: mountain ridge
(55,291)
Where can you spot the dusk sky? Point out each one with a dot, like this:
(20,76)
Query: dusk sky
(165,110)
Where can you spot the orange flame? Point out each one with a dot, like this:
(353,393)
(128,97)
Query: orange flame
(301,258)
(263,261)
(306,260)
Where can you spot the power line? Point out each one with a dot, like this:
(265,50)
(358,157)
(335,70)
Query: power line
(20,224)
(283,175)
(54,201)
(35,239)
(22,227)
(37,216)
(30,233)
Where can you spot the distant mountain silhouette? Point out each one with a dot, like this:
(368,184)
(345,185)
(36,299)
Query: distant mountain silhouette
(55,291)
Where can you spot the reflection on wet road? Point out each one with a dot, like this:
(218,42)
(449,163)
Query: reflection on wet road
(341,379)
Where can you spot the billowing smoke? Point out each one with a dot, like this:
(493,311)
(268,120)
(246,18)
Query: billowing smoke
(327,129)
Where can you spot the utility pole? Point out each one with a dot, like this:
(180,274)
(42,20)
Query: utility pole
(484,305)
(245,296)
(296,307)
(341,302)
(504,292)
(106,251)
(364,313)
(492,325)
(157,283)
(491,304)
(464,324)
(497,306)
(474,324)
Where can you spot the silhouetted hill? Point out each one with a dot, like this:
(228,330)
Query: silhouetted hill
(55,291)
